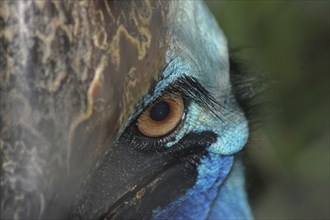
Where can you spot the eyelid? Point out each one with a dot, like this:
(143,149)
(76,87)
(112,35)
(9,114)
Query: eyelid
(188,87)
(191,91)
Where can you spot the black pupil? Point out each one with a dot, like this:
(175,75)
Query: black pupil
(160,111)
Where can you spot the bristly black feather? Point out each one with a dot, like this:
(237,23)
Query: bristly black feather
(192,90)
(248,89)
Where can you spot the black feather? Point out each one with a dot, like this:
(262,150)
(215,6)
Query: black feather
(249,89)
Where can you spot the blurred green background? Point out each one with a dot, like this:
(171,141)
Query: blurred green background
(288,156)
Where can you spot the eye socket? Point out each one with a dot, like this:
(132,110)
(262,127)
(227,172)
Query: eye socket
(161,117)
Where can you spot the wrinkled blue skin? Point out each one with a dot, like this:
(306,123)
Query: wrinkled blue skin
(198,48)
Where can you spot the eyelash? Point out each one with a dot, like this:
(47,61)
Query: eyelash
(191,91)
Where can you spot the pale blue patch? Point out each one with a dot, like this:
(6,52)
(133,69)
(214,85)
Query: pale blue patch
(232,135)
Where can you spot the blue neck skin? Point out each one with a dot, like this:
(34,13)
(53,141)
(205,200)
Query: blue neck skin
(196,203)
(214,196)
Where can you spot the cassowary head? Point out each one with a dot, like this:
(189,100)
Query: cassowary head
(118,110)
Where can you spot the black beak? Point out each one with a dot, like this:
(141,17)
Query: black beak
(130,184)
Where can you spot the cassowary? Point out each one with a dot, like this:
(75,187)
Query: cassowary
(118,110)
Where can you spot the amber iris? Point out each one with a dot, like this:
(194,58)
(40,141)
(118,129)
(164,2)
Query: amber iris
(162,117)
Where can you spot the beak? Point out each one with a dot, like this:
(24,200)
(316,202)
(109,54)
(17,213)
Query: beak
(130,183)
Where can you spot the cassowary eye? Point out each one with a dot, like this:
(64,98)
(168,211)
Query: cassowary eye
(162,117)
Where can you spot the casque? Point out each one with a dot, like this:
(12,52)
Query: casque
(76,79)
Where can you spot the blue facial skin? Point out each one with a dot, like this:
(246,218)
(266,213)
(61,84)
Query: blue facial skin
(198,48)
